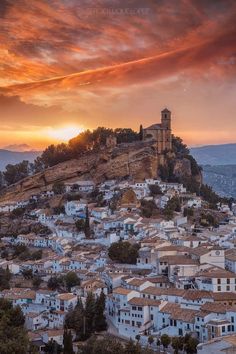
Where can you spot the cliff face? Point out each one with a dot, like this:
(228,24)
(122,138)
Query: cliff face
(138,159)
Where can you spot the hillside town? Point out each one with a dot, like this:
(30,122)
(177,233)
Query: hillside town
(159,257)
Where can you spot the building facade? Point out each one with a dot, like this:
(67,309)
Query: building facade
(161,133)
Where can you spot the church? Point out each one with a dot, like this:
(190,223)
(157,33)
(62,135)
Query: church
(161,133)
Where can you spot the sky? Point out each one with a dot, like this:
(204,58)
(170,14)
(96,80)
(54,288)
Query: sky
(69,65)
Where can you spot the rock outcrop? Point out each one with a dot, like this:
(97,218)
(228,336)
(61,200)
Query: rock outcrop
(138,160)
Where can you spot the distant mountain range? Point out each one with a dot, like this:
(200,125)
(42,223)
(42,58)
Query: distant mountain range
(215,154)
(219,167)
(13,157)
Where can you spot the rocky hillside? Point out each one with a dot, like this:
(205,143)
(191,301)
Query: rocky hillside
(138,160)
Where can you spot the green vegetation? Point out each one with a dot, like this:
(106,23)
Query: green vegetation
(14,173)
(5,277)
(155,190)
(55,282)
(165,340)
(59,188)
(109,345)
(207,220)
(23,253)
(83,225)
(67,281)
(52,347)
(17,213)
(148,208)
(172,205)
(123,252)
(71,279)
(84,142)
(59,210)
(13,337)
(89,318)
(67,342)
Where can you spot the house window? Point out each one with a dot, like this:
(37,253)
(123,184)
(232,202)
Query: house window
(229,328)
(218,281)
(227,288)
(228,281)
(223,329)
(218,288)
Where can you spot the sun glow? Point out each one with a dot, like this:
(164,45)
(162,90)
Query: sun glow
(64,133)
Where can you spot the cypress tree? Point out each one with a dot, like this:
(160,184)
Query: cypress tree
(86,224)
(67,343)
(100,323)
(141,132)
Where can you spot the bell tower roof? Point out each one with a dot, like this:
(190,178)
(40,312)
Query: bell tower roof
(165,110)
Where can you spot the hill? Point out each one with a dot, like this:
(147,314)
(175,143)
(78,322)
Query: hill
(137,160)
(14,157)
(222,178)
(215,154)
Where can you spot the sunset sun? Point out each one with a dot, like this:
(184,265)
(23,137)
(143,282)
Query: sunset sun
(64,133)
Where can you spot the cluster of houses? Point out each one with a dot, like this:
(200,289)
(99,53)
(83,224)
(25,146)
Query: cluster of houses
(184,281)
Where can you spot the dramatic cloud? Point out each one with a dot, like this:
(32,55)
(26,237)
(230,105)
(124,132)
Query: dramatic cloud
(86,61)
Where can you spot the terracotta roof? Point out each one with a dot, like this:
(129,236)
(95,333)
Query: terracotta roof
(121,291)
(66,296)
(216,273)
(136,281)
(138,301)
(178,260)
(178,313)
(151,290)
(221,296)
(197,294)
(214,307)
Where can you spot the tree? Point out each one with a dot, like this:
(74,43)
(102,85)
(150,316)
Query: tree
(17,213)
(52,347)
(27,273)
(158,344)
(59,188)
(67,342)
(80,225)
(100,323)
(150,340)
(165,340)
(177,344)
(14,173)
(148,208)
(141,132)
(86,224)
(190,344)
(123,252)
(5,276)
(155,190)
(13,337)
(37,255)
(55,282)
(37,280)
(75,319)
(71,279)
(90,308)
